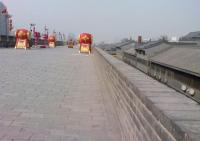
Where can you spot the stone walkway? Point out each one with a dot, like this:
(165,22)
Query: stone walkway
(54,95)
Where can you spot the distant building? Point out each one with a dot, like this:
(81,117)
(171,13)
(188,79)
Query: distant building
(4,20)
(117,48)
(192,36)
(175,64)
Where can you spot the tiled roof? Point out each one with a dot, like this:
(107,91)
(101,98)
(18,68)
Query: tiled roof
(121,46)
(182,58)
(130,51)
(149,45)
(191,36)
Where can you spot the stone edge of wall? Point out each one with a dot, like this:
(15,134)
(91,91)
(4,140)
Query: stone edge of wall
(150,92)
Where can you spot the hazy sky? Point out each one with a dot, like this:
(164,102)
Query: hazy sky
(109,20)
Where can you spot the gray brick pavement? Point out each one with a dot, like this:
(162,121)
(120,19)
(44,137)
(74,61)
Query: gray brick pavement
(53,95)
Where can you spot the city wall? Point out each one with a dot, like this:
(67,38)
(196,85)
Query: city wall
(147,110)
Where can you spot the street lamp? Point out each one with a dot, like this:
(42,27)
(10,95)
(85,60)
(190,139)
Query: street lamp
(32,30)
(46,34)
(60,36)
(32,25)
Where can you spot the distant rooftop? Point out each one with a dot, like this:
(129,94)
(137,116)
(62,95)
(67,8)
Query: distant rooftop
(192,36)
(120,46)
(185,59)
(183,55)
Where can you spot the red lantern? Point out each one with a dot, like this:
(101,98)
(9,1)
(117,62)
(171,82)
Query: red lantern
(22,38)
(85,41)
(52,41)
(85,38)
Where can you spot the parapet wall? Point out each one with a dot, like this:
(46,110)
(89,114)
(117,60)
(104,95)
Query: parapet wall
(7,41)
(10,41)
(148,110)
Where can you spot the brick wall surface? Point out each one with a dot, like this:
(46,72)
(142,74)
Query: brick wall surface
(148,110)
